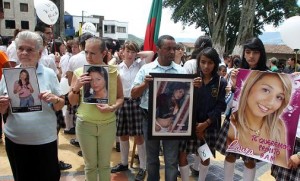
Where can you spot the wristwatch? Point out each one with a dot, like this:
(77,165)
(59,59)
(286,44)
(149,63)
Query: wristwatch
(298,155)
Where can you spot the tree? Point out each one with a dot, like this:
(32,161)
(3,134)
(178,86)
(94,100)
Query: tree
(209,15)
(245,25)
(242,18)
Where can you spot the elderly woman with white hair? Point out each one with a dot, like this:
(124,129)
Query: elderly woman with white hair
(31,137)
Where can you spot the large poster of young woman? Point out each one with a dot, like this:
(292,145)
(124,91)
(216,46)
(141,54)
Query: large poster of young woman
(23,89)
(171,106)
(265,115)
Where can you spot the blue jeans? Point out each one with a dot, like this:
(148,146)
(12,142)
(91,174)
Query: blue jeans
(26,101)
(170,149)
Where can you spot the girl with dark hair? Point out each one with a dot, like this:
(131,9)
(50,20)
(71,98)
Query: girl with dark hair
(210,98)
(254,57)
(254,47)
(201,43)
(98,86)
(168,105)
(24,89)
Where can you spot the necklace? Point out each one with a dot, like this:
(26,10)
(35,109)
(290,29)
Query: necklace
(257,132)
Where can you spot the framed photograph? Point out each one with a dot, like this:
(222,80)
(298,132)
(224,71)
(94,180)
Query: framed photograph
(171,106)
(23,89)
(96,92)
(265,116)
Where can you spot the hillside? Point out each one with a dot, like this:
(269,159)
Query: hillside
(272,38)
(135,39)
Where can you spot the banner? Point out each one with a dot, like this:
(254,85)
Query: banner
(265,116)
(153,26)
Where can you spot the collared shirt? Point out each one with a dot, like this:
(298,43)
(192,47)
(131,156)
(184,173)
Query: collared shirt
(154,67)
(34,128)
(77,61)
(128,74)
(190,66)
(48,60)
(290,69)
(64,61)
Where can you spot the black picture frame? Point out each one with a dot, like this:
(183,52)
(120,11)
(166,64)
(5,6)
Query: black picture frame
(163,123)
(88,92)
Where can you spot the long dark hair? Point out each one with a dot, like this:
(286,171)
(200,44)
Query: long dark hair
(212,54)
(257,45)
(26,79)
(102,71)
(56,46)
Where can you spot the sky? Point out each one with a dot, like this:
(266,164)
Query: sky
(135,12)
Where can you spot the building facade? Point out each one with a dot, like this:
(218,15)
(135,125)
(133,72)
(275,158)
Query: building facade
(16,14)
(105,28)
(115,30)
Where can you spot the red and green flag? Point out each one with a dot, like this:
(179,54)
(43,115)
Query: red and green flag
(153,26)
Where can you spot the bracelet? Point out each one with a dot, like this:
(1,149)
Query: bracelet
(74,92)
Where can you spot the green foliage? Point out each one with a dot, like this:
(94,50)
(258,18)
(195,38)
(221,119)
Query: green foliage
(267,12)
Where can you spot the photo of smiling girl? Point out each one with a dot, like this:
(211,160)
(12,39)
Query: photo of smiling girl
(256,128)
(96,91)
(24,89)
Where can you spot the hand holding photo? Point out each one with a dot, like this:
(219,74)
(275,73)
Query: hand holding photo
(96,91)
(171,106)
(259,125)
(24,91)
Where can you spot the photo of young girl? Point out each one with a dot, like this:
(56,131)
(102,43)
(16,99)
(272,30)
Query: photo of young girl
(168,105)
(96,91)
(257,127)
(24,90)
(172,106)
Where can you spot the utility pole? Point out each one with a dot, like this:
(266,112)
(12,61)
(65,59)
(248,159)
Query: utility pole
(59,26)
(82,18)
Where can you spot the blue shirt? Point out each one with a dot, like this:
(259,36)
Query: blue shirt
(34,128)
(154,67)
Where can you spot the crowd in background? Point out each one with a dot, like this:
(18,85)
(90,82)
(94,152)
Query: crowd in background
(99,126)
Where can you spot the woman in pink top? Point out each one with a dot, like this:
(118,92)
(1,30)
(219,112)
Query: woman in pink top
(24,89)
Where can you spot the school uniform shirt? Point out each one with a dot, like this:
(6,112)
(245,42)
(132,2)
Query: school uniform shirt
(210,100)
(128,74)
(77,61)
(190,66)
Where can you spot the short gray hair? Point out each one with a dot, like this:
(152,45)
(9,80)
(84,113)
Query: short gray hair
(29,35)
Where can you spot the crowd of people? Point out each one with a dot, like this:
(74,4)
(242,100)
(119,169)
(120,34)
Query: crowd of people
(31,138)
